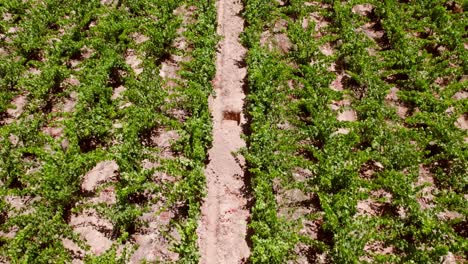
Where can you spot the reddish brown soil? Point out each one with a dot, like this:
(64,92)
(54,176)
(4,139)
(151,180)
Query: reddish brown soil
(223,227)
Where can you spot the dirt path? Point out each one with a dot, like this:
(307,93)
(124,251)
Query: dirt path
(223,228)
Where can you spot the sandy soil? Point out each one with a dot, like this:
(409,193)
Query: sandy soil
(223,227)
(103,172)
(94,229)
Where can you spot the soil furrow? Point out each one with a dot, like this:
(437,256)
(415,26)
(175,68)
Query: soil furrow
(223,228)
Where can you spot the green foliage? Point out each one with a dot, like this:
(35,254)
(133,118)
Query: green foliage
(73,52)
(422,43)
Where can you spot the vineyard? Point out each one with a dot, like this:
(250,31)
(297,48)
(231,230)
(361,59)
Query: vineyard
(105,127)
(129,133)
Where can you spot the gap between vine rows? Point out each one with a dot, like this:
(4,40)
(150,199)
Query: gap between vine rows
(225,213)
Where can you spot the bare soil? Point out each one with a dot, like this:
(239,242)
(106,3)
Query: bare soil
(103,172)
(223,227)
(94,229)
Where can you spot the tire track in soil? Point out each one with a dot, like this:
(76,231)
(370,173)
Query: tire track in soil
(223,229)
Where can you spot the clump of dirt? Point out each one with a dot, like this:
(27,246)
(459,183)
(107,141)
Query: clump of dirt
(14,139)
(132,59)
(338,83)
(152,248)
(139,38)
(368,170)
(449,215)
(341,131)
(306,254)
(76,251)
(285,125)
(462,122)
(425,180)
(84,54)
(67,105)
(327,49)
(20,204)
(105,196)
(442,81)
(363,9)
(301,174)
(53,131)
(461,95)
(103,172)
(34,71)
(372,207)
(347,116)
(118,92)
(449,259)
(169,69)
(277,39)
(162,139)
(373,248)
(109,2)
(371,31)
(294,203)
(337,105)
(153,244)
(19,103)
(232,115)
(7,16)
(178,114)
(393,100)
(319,22)
(94,229)
(71,81)
(312,229)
